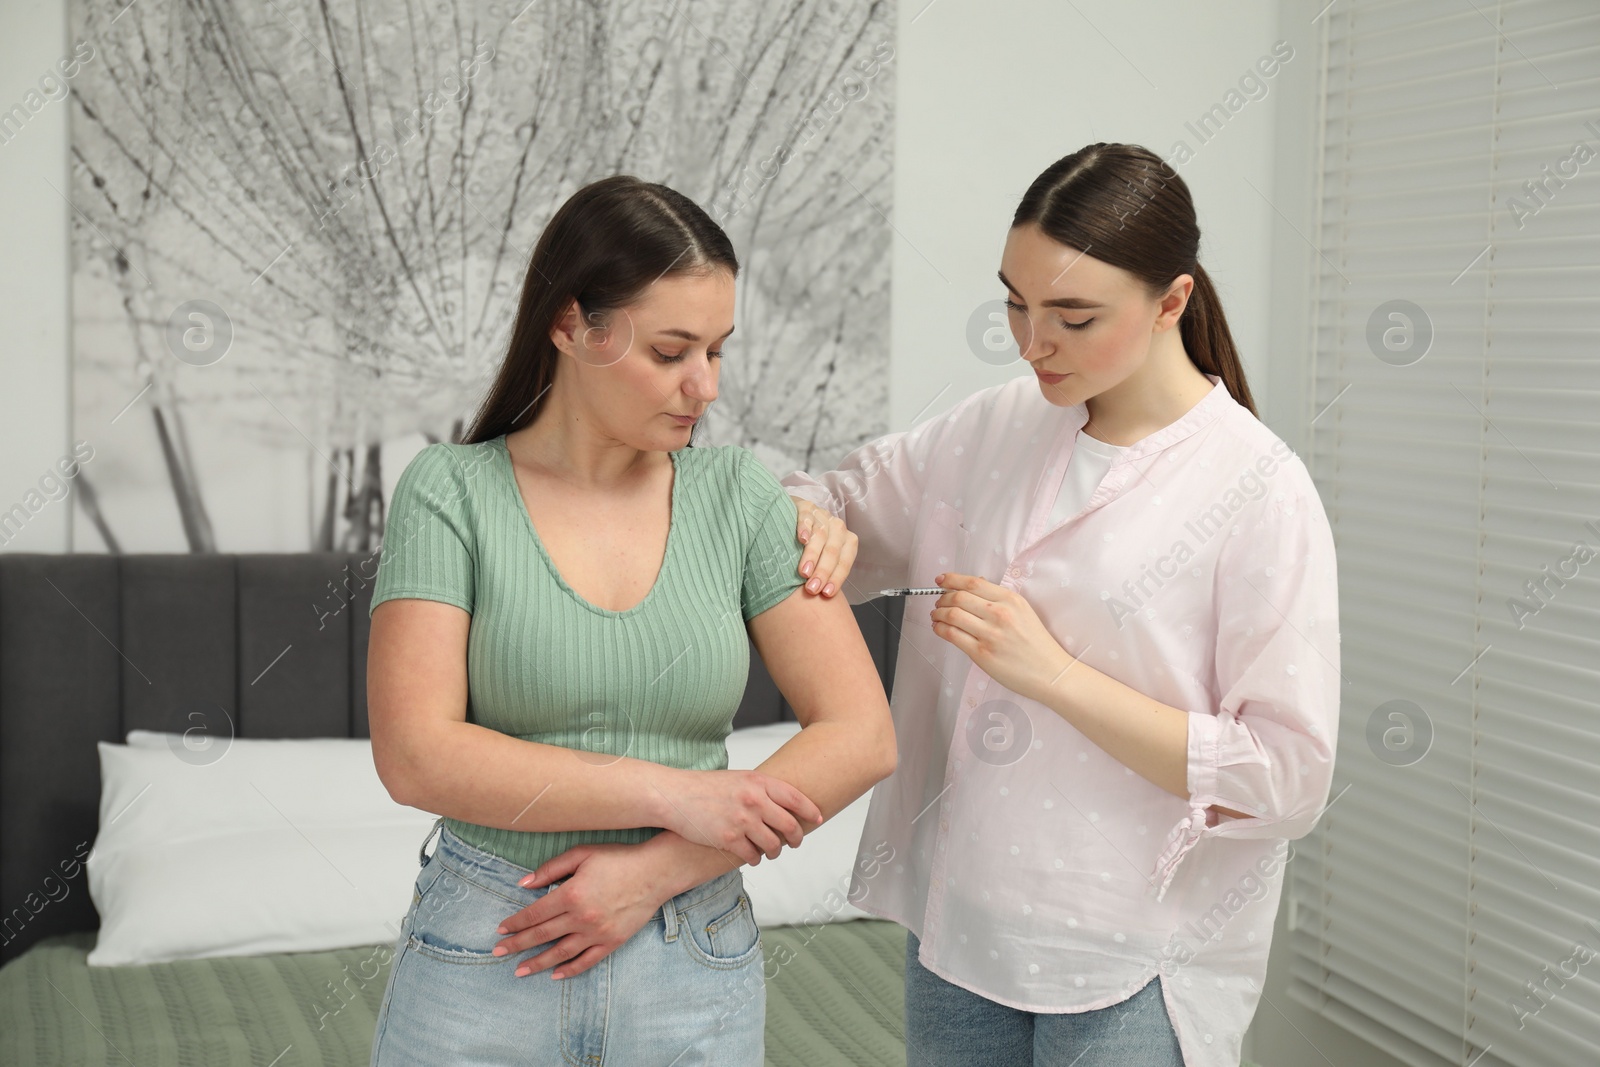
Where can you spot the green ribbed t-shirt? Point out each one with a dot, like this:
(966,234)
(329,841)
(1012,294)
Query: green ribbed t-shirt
(660,681)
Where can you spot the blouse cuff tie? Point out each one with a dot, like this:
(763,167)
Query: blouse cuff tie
(1182,838)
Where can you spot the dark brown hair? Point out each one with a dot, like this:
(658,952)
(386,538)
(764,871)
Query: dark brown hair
(602,248)
(1123,205)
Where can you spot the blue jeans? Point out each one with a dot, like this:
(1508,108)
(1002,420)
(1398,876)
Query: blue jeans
(947,1026)
(685,989)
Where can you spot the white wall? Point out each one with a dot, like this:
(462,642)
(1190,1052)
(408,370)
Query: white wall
(34,382)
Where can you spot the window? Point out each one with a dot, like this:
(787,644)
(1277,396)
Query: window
(1448,902)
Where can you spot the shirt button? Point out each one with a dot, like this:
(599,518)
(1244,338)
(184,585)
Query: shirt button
(1013,570)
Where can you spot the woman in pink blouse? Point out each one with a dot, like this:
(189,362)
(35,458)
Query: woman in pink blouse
(1124,703)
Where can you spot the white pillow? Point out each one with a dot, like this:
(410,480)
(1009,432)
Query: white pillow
(265,846)
(810,884)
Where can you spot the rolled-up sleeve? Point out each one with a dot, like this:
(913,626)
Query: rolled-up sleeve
(1268,748)
(877,490)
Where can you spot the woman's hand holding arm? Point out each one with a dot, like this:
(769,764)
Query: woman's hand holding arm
(813,649)
(830,548)
(862,515)
(747,814)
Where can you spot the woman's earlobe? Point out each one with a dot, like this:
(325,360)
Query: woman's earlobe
(561,337)
(563,331)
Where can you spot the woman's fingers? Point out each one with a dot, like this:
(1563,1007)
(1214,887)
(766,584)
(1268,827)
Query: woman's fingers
(835,559)
(827,561)
(551,905)
(745,814)
(573,928)
(784,826)
(776,827)
(765,841)
(582,962)
(542,910)
(530,936)
(736,843)
(554,869)
(830,549)
(746,850)
(812,533)
(804,527)
(569,947)
(791,798)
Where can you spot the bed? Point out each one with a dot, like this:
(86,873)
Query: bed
(94,646)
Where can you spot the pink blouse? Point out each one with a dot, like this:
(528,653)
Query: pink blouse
(1035,869)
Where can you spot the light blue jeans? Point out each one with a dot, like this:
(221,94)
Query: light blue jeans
(687,988)
(948,1026)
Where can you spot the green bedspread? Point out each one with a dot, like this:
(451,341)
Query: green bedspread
(834,996)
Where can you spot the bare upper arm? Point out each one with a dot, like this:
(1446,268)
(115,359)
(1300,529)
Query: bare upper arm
(814,651)
(416,679)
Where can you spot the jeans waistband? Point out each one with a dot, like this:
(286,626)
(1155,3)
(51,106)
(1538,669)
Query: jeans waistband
(495,872)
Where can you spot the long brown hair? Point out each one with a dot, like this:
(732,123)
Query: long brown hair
(602,248)
(1123,205)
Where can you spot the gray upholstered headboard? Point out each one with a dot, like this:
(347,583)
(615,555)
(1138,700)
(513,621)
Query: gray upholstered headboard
(92,646)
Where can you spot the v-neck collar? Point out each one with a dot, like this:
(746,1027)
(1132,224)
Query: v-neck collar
(521,504)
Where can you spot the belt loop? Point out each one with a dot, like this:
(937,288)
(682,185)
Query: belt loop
(422,851)
(669,915)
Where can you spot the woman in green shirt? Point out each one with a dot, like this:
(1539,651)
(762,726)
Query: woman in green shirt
(559,642)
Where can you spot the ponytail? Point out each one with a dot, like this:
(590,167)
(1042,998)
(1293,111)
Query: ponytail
(1206,337)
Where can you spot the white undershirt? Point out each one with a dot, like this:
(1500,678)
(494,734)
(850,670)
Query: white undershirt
(1091,458)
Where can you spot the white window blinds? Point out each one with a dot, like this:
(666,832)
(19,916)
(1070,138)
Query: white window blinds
(1447,907)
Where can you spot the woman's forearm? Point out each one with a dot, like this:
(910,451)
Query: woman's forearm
(469,772)
(833,763)
(1137,730)
(677,864)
